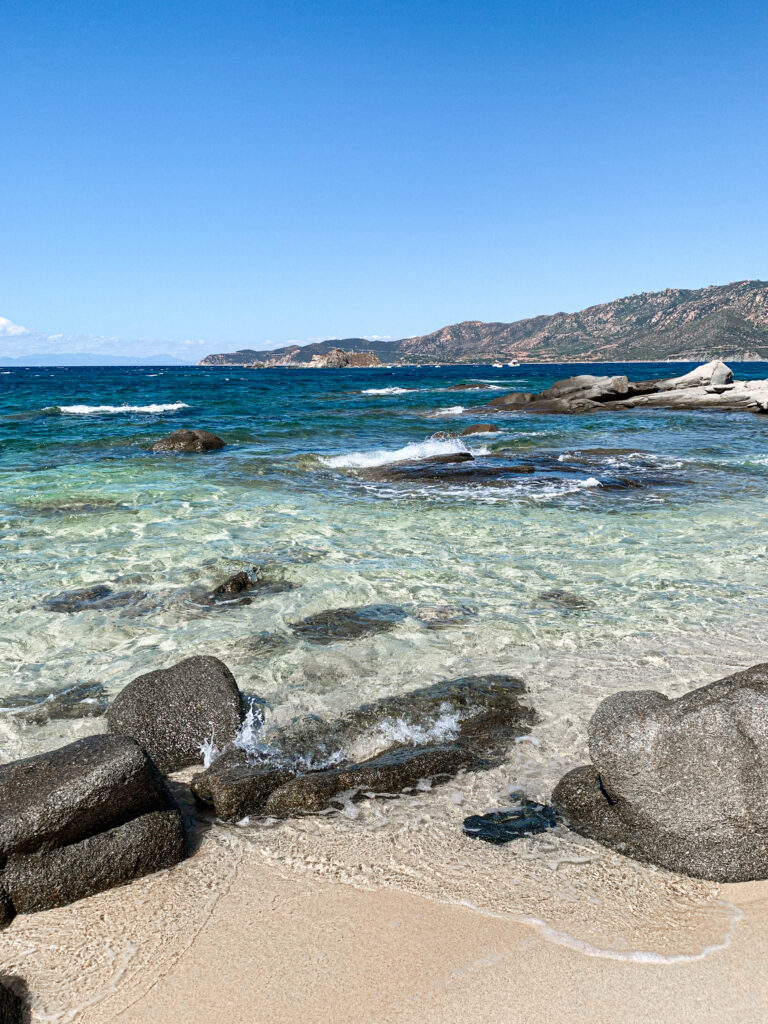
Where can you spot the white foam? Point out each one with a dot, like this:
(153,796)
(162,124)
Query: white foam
(90,410)
(410,453)
(388,391)
(399,730)
(451,410)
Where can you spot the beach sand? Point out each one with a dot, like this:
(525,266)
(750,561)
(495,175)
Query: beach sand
(228,937)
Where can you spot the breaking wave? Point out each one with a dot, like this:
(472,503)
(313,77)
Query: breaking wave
(91,410)
(410,453)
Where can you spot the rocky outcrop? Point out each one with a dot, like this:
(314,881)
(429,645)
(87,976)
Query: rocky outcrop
(188,441)
(710,386)
(80,819)
(99,597)
(460,723)
(172,712)
(680,783)
(338,359)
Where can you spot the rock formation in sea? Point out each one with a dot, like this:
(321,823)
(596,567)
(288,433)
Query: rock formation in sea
(710,386)
(188,441)
(338,359)
(681,783)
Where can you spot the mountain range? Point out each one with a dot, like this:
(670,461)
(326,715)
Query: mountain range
(726,321)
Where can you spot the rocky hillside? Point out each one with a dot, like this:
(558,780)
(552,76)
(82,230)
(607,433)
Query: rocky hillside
(724,321)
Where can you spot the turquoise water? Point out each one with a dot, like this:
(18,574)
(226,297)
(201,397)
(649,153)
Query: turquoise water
(648,527)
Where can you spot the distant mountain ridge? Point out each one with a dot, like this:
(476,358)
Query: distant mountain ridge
(721,321)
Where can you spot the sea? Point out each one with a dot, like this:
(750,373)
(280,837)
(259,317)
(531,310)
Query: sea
(629,554)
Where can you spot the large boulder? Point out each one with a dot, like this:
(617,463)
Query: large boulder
(53,877)
(172,712)
(80,819)
(680,783)
(188,441)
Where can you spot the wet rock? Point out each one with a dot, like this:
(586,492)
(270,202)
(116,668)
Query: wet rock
(680,783)
(243,587)
(13,1009)
(484,713)
(337,624)
(237,786)
(171,712)
(188,441)
(526,818)
(67,794)
(97,598)
(479,428)
(54,877)
(7,912)
(389,773)
(466,387)
(235,584)
(85,700)
(487,471)
(268,644)
(565,599)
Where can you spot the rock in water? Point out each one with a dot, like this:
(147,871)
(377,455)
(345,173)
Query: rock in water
(336,624)
(527,818)
(389,773)
(680,783)
(97,598)
(188,441)
(89,816)
(479,428)
(236,786)
(171,712)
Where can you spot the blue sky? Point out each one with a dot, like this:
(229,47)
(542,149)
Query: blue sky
(191,176)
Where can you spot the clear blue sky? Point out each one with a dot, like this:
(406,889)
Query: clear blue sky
(246,172)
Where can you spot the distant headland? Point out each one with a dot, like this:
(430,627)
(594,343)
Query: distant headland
(724,321)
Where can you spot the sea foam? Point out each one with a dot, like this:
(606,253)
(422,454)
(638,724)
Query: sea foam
(90,410)
(410,453)
(387,391)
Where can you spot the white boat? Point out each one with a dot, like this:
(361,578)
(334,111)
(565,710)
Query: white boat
(513,363)
(497,366)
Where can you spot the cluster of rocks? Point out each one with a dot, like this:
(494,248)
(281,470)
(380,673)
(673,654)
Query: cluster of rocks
(338,359)
(188,441)
(710,386)
(680,783)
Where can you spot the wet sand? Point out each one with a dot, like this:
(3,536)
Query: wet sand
(297,950)
(233,936)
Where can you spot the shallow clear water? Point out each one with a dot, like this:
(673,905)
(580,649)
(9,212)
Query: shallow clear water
(651,524)
(632,557)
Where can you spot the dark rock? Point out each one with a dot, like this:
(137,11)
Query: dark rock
(466,387)
(479,428)
(88,786)
(188,441)
(231,591)
(269,643)
(236,786)
(171,712)
(97,598)
(487,471)
(53,877)
(13,1008)
(337,624)
(85,700)
(488,713)
(7,912)
(527,818)
(235,584)
(680,783)
(566,600)
(389,773)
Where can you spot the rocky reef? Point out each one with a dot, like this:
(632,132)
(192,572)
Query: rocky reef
(710,386)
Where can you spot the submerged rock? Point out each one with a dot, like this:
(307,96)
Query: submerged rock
(237,588)
(338,624)
(97,598)
(526,818)
(172,712)
(680,783)
(86,700)
(85,817)
(188,441)
(565,599)
(443,616)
